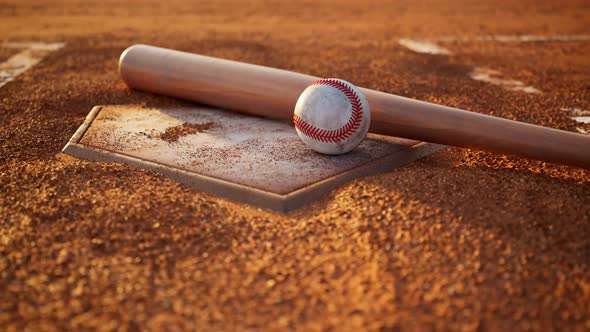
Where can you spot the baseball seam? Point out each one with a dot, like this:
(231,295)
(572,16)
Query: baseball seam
(340,134)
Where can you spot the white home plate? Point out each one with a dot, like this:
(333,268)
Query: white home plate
(249,159)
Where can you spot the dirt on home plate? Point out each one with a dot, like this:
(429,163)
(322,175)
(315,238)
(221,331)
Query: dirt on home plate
(460,240)
(172,134)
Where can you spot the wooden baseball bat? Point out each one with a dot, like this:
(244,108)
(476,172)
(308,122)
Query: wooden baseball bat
(272,93)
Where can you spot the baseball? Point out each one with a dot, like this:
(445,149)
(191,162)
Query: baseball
(332,116)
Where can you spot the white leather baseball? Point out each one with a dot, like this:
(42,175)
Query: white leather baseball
(332,116)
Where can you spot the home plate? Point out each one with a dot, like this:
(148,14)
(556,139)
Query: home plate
(249,159)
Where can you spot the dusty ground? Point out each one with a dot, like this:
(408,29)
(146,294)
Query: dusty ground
(461,240)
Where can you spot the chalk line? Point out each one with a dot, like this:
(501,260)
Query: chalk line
(34,45)
(423,46)
(494,77)
(31,55)
(516,38)
(579,115)
(479,74)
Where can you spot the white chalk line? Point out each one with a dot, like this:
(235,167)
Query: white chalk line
(582,119)
(516,38)
(428,46)
(31,55)
(423,46)
(579,115)
(494,77)
(34,45)
(479,74)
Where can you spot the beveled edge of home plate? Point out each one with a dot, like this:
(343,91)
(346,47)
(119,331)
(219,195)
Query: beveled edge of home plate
(241,193)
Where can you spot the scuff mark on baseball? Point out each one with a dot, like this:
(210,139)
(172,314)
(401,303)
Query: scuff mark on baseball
(332,116)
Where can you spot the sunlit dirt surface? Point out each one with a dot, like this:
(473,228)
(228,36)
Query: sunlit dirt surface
(461,240)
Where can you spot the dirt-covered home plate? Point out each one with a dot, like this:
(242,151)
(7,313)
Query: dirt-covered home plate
(249,159)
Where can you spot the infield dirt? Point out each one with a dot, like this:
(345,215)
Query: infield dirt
(461,240)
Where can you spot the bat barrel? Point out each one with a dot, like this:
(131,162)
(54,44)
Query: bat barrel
(273,93)
(446,125)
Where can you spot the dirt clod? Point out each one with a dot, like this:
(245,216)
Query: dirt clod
(172,134)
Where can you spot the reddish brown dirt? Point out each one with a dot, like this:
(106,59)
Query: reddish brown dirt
(461,240)
(172,134)
(6,53)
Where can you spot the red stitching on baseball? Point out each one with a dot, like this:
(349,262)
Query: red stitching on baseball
(336,135)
